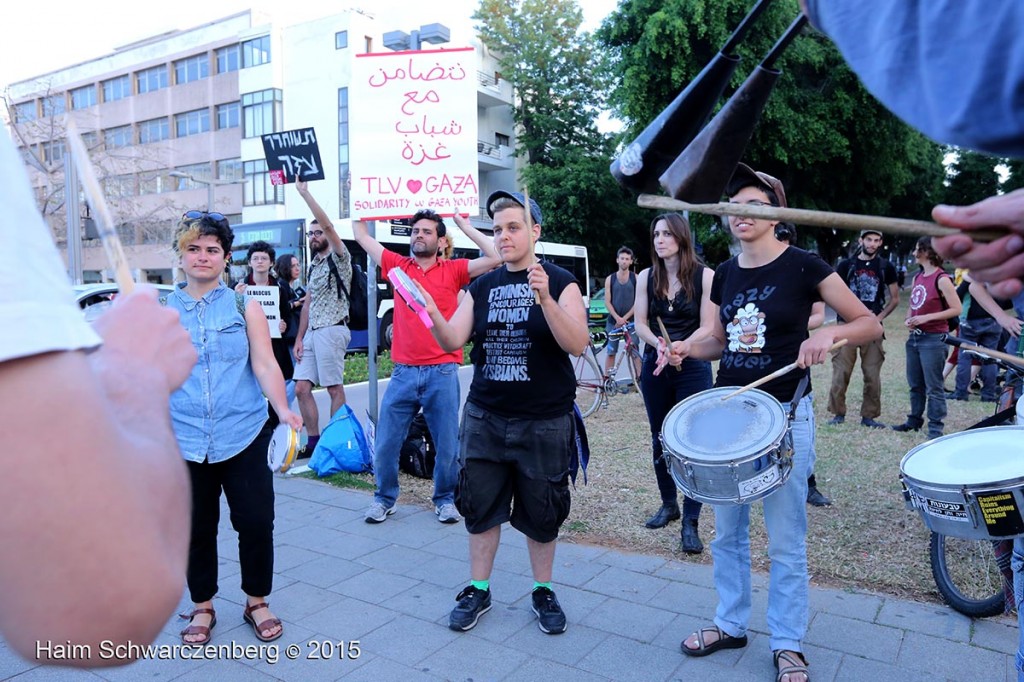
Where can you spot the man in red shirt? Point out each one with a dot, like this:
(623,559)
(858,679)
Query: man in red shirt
(424,376)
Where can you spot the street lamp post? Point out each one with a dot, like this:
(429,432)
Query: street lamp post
(210,184)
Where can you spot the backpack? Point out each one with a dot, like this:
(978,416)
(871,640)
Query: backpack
(342,446)
(355,292)
(417,455)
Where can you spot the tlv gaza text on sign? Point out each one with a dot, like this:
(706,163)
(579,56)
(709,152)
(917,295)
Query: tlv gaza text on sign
(414,144)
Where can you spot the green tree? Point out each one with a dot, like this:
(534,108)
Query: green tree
(1016,177)
(560,78)
(971,177)
(832,144)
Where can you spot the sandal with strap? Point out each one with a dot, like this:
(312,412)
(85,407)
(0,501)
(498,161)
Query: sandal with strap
(796,664)
(203,630)
(259,629)
(724,641)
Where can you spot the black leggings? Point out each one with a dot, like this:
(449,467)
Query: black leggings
(248,485)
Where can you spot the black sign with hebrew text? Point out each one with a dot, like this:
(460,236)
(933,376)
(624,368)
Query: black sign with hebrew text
(292,155)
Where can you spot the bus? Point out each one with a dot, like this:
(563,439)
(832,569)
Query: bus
(289,237)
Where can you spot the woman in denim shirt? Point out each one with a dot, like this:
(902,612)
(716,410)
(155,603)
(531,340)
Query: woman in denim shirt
(220,420)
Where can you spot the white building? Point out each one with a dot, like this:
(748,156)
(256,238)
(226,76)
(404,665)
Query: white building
(174,122)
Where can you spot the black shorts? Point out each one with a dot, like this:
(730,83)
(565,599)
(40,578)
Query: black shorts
(525,460)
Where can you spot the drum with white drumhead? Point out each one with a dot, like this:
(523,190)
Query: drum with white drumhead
(968,484)
(284,446)
(730,451)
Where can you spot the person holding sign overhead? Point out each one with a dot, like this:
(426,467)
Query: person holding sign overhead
(425,376)
(261,259)
(517,431)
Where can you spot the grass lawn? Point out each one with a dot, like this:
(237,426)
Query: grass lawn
(866,539)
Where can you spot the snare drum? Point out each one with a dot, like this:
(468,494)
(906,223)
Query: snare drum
(728,451)
(968,484)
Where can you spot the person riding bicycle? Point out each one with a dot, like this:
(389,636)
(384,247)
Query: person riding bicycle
(674,290)
(619,294)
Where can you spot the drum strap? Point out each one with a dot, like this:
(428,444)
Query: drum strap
(998,419)
(801,388)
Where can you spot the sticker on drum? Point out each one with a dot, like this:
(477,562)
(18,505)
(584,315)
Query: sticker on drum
(969,484)
(763,481)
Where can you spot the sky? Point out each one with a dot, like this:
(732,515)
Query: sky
(82,31)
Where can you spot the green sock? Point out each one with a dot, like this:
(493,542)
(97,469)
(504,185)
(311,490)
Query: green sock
(481,584)
(537,584)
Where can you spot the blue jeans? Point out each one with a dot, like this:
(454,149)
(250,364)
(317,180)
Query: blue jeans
(985,333)
(661,393)
(926,354)
(1017,564)
(785,519)
(435,388)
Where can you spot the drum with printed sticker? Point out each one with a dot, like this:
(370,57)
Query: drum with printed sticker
(728,451)
(968,485)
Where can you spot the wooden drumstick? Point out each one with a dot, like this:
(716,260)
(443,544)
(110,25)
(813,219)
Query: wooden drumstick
(104,221)
(1005,357)
(777,373)
(668,341)
(802,216)
(529,233)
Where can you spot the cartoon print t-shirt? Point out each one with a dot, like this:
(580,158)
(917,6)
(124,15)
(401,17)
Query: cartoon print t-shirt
(764,312)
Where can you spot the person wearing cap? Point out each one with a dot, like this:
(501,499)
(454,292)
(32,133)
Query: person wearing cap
(780,285)
(524,320)
(870,277)
(786,233)
(424,376)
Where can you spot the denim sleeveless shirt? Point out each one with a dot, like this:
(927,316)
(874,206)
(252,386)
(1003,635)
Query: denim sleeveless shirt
(220,408)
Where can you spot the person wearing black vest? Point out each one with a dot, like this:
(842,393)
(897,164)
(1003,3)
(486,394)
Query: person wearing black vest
(674,290)
(517,436)
(619,294)
(777,285)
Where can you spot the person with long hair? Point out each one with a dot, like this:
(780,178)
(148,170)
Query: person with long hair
(675,290)
(221,424)
(933,301)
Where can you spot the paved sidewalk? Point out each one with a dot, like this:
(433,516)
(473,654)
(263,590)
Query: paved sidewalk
(390,587)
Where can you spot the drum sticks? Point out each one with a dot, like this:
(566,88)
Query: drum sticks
(105,223)
(777,373)
(668,341)
(802,216)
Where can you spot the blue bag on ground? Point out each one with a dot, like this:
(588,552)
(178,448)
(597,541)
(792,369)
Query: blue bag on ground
(342,446)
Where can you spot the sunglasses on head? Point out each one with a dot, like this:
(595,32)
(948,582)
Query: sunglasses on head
(199,215)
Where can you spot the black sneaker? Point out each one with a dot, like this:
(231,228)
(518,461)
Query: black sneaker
(472,603)
(871,423)
(816,498)
(550,617)
(838,419)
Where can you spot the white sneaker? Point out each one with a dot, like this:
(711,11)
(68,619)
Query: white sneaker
(378,513)
(447,513)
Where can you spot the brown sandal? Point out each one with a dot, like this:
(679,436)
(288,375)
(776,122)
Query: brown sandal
(203,630)
(793,665)
(259,629)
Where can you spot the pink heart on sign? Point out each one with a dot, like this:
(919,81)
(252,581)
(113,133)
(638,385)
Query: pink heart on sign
(414,186)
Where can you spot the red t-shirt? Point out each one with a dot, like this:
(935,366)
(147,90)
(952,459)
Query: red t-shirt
(412,343)
(925,298)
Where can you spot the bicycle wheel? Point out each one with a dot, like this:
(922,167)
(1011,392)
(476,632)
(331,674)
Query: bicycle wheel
(967,575)
(635,361)
(589,388)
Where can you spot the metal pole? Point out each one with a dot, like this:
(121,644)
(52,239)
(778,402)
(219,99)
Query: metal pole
(209,197)
(372,331)
(74,220)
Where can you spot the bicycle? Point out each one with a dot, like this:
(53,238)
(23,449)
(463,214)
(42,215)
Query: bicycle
(592,386)
(973,576)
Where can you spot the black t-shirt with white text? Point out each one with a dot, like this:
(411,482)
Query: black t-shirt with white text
(764,312)
(520,371)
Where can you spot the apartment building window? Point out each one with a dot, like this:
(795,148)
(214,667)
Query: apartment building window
(199,171)
(230,169)
(227,59)
(91,139)
(150,80)
(343,169)
(341,40)
(154,130)
(116,88)
(154,182)
(256,52)
(26,111)
(119,186)
(229,115)
(83,97)
(191,69)
(53,152)
(115,138)
(367,44)
(258,189)
(54,105)
(192,123)
(501,140)
(261,112)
